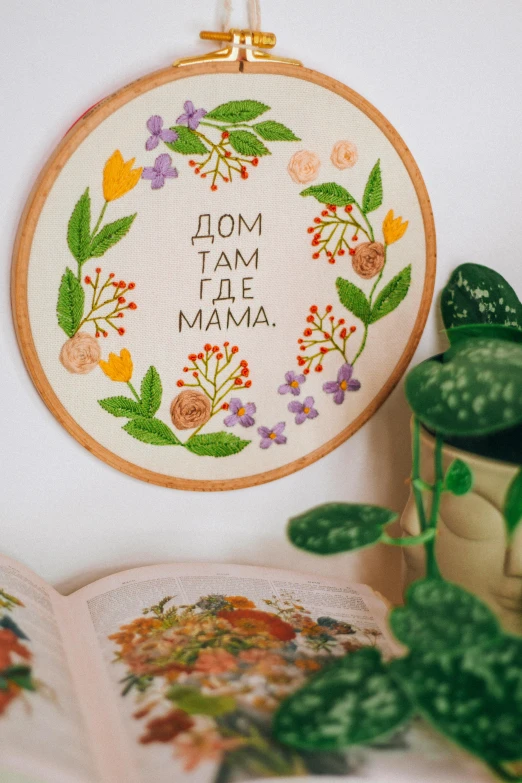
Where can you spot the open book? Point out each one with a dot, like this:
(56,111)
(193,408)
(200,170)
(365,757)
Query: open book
(172,673)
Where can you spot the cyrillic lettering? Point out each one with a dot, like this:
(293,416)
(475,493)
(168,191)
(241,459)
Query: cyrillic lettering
(208,235)
(221,219)
(219,298)
(230,318)
(250,228)
(239,256)
(203,280)
(246,289)
(260,320)
(214,320)
(183,317)
(203,253)
(226,262)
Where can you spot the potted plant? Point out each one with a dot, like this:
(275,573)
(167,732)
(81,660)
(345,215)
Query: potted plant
(460,669)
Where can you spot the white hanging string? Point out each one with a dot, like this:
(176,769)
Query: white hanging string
(254,14)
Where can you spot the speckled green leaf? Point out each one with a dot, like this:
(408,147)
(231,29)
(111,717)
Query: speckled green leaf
(459,478)
(440,616)
(476,294)
(354,701)
(339,527)
(474,696)
(457,334)
(513,505)
(474,389)
(216,444)
(329,193)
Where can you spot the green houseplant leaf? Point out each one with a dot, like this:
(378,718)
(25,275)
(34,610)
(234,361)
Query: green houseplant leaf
(79,228)
(391,295)
(274,131)
(216,444)
(474,389)
(474,697)
(152,431)
(151,391)
(456,334)
(109,235)
(459,478)
(121,406)
(439,616)
(353,299)
(476,294)
(372,198)
(246,143)
(355,700)
(237,111)
(329,193)
(513,505)
(187,143)
(71,299)
(339,527)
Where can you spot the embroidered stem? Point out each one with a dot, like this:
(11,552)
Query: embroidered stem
(133,390)
(98,224)
(370,301)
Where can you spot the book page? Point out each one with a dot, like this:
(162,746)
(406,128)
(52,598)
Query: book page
(198,657)
(42,733)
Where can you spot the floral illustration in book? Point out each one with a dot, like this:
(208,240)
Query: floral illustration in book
(207,677)
(16,675)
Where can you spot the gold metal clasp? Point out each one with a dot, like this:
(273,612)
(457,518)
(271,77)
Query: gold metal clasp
(243,45)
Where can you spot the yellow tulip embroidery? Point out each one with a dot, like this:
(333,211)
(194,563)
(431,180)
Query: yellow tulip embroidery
(118,368)
(393,229)
(119,177)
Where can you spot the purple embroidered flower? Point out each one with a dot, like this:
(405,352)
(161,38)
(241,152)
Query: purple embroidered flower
(274,435)
(303,410)
(160,171)
(343,384)
(240,414)
(192,116)
(293,383)
(155,125)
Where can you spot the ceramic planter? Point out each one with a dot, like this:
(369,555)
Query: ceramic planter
(471,545)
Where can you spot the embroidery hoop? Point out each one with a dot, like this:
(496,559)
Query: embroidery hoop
(29,221)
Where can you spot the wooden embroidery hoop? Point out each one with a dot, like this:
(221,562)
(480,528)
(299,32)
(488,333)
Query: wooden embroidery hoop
(77,134)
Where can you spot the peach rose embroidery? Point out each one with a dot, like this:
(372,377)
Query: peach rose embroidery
(368,259)
(80,354)
(344,155)
(190,409)
(304,167)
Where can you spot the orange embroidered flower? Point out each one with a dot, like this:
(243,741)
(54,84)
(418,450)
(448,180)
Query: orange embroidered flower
(119,177)
(215,661)
(240,602)
(393,228)
(252,622)
(118,368)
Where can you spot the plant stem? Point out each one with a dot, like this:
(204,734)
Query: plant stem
(427,535)
(102,213)
(133,390)
(370,302)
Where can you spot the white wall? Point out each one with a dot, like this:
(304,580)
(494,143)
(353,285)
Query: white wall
(449,77)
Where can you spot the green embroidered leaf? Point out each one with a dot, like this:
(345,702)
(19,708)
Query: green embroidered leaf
(457,334)
(245,143)
(275,131)
(513,505)
(121,406)
(9,624)
(329,193)
(79,228)
(474,389)
(110,235)
(69,308)
(151,391)
(151,431)
(459,478)
(440,616)
(339,527)
(237,111)
(216,444)
(354,701)
(476,294)
(372,198)
(353,299)
(17,675)
(187,143)
(194,702)
(391,295)
(474,697)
